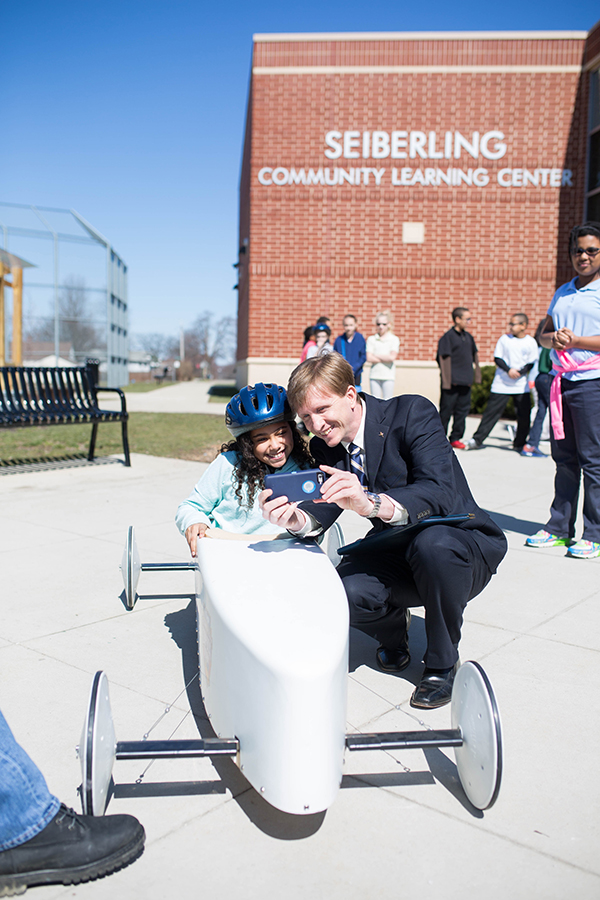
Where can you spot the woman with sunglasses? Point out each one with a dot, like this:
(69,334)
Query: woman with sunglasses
(382,351)
(572,332)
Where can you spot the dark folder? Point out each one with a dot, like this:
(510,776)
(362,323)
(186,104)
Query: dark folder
(398,535)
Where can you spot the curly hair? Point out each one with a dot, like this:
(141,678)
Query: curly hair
(251,472)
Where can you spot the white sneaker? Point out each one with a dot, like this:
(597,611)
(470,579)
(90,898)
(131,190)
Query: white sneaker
(473,445)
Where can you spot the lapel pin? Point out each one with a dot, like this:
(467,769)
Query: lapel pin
(381,434)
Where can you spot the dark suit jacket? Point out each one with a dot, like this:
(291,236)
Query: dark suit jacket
(410,459)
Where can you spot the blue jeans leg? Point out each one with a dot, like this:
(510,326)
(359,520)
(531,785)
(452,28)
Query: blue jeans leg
(26,804)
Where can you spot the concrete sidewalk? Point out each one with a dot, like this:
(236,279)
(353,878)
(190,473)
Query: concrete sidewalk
(182,397)
(401,826)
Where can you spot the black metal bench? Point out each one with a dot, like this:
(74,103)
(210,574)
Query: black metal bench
(41,395)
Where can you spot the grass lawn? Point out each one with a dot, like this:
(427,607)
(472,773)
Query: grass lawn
(142,387)
(177,435)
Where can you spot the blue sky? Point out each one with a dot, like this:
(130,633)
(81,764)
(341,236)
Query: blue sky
(132,113)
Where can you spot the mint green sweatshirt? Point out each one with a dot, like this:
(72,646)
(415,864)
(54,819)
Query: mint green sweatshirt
(213,500)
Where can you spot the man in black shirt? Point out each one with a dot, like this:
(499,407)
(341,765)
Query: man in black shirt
(458,360)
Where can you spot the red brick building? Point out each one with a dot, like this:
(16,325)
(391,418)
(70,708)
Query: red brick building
(412,173)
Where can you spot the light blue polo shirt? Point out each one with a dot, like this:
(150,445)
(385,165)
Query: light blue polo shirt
(578,310)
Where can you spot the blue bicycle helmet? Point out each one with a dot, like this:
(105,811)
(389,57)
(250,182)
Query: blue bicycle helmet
(257,404)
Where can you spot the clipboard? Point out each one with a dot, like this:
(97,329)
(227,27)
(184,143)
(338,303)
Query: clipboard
(399,535)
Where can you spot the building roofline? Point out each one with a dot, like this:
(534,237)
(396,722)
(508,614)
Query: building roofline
(422,36)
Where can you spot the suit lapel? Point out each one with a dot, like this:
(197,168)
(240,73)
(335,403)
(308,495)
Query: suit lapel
(376,432)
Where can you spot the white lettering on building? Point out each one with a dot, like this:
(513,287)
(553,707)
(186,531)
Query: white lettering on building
(280,176)
(414,144)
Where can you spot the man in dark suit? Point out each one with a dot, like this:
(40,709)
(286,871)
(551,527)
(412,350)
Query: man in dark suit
(390,461)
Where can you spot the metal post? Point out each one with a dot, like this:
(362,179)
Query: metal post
(2,338)
(56,303)
(109,333)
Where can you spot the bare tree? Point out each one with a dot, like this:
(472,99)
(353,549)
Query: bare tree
(158,345)
(38,328)
(76,322)
(210,342)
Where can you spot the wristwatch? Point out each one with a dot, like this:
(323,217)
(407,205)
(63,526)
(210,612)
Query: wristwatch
(376,501)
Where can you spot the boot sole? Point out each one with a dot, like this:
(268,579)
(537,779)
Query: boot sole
(11,885)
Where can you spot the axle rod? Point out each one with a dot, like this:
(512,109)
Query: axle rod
(405,740)
(176,749)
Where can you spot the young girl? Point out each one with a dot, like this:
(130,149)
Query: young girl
(321,335)
(265,439)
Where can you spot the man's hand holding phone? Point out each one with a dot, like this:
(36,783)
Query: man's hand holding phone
(340,487)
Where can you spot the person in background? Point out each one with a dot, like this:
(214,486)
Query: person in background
(515,356)
(457,357)
(42,841)
(542,382)
(309,335)
(352,346)
(382,352)
(572,331)
(322,345)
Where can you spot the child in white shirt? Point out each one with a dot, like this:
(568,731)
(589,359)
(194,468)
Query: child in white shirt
(515,355)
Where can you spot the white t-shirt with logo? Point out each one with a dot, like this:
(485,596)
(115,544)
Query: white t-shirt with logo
(516,353)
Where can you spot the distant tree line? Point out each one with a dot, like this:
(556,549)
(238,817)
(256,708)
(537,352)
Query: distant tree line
(208,344)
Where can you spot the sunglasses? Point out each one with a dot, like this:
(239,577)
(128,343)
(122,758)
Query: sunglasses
(592,252)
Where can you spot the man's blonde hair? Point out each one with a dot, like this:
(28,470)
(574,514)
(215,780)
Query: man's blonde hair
(330,372)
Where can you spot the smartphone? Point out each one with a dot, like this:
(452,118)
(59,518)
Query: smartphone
(296,485)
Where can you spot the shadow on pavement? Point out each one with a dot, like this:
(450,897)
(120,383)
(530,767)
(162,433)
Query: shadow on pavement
(510,523)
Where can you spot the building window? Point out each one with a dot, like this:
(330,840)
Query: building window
(593,173)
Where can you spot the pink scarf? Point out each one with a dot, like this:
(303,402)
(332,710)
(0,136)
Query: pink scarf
(567,364)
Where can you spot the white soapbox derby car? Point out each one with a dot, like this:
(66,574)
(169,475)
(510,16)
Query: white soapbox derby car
(273,657)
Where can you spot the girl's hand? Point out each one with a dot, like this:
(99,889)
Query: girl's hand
(280,511)
(563,338)
(193,533)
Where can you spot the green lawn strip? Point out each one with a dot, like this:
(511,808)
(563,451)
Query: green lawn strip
(142,387)
(177,435)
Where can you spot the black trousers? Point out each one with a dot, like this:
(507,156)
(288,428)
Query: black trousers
(494,409)
(441,569)
(577,454)
(543,383)
(456,402)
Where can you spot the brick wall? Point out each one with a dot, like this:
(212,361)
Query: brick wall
(327,250)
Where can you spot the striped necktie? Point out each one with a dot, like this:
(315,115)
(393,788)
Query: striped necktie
(357,463)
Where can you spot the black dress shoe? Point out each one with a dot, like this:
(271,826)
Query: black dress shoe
(70,849)
(394,659)
(435,688)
